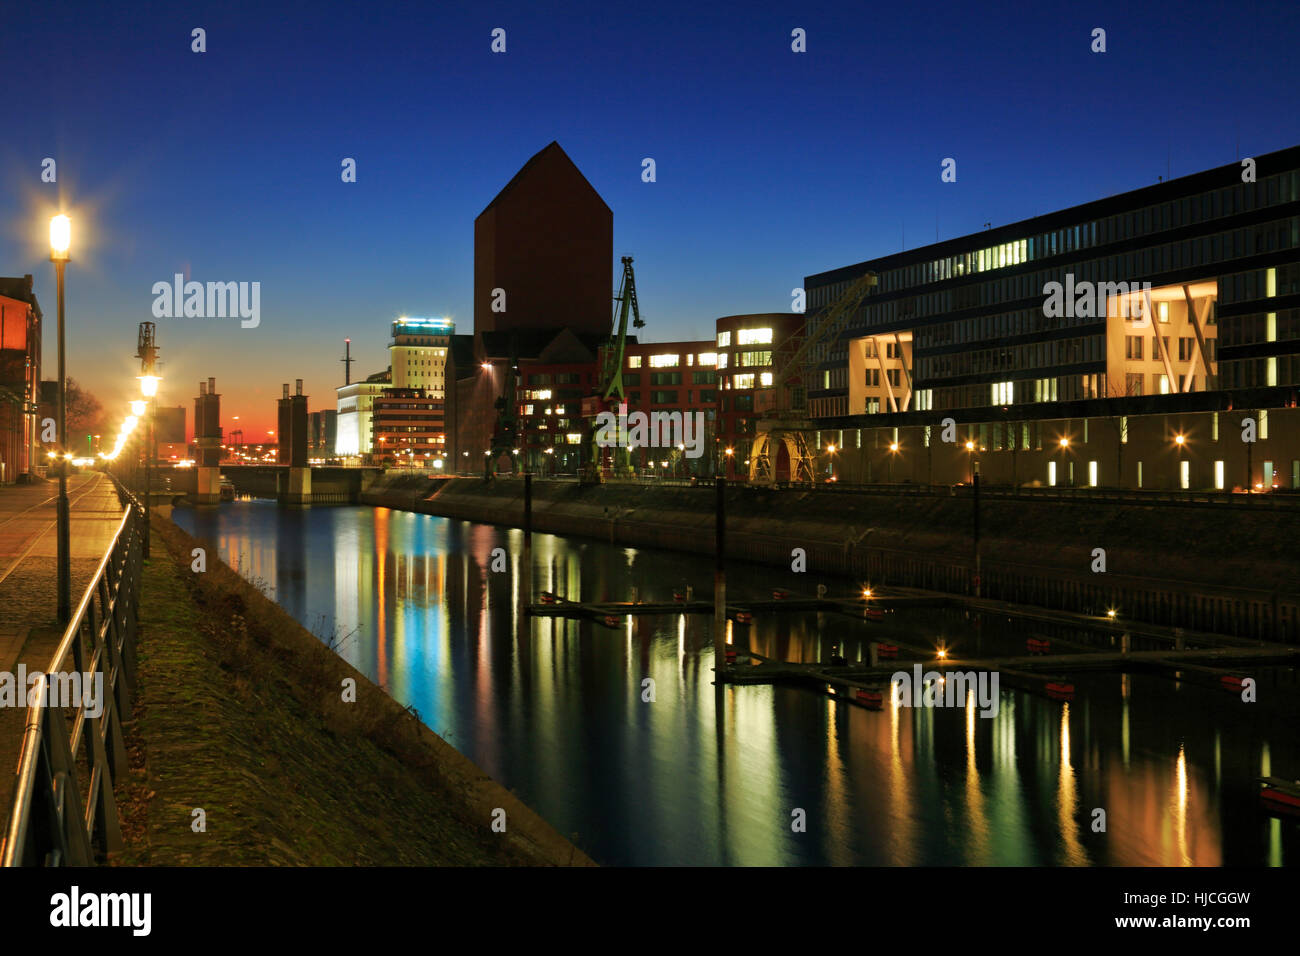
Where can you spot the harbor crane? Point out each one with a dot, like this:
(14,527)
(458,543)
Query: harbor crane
(609,387)
(785,420)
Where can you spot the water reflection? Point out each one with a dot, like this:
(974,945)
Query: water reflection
(558,711)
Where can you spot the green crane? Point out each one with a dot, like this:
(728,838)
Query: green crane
(610,394)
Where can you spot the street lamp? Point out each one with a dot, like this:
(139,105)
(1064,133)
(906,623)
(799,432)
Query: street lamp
(60,243)
(831,464)
(893,453)
(148,388)
(1180,442)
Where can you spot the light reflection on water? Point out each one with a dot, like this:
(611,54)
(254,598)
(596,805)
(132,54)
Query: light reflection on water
(557,714)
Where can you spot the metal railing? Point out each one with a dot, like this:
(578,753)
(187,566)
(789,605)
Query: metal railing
(54,821)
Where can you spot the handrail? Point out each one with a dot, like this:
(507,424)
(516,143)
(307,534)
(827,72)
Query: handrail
(48,824)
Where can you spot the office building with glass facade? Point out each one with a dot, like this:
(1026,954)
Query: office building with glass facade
(1159,311)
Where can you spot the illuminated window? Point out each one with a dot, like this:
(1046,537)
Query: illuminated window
(765,379)
(634,361)
(573,439)
(753,337)
(724,339)
(743,381)
(665,360)
(722,360)
(708,358)
(1002,392)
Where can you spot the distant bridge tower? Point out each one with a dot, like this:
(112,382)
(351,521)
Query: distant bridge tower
(295,486)
(207,436)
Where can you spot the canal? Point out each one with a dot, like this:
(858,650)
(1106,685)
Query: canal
(558,712)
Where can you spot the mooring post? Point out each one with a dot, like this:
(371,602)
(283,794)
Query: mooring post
(528,538)
(975,491)
(720,581)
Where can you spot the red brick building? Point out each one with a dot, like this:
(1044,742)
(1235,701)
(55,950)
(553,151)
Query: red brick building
(675,378)
(20,377)
(546,241)
(747,347)
(409,427)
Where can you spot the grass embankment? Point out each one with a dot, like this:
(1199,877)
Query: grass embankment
(238,710)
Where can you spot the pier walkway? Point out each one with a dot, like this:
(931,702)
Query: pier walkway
(1218,660)
(29,631)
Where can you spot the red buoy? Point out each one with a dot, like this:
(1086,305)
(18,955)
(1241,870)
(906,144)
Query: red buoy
(870,699)
(1060,690)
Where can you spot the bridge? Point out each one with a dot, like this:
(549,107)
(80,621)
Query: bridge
(329,484)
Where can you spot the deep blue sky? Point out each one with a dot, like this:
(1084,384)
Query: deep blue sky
(771,165)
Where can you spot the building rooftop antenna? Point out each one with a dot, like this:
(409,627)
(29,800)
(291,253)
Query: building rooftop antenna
(347,361)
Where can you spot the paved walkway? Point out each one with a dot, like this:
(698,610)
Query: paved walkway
(29,632)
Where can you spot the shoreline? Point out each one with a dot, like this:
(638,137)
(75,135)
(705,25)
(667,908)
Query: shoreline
(238,711)
(1040,555)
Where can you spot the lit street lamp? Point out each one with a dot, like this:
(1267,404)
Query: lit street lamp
(1180,442)
(60,242)
(147,354)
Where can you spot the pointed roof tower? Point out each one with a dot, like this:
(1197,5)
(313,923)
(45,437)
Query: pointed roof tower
(544,250)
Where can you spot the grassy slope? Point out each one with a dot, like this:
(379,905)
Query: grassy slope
(238,711)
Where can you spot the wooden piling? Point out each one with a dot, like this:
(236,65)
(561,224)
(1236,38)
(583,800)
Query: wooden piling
(720,580)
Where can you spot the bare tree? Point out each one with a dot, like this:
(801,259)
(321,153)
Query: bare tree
(82,411)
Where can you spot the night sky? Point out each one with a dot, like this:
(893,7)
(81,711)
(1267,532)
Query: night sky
(771,165)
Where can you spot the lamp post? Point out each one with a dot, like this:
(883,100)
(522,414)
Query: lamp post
(1180,441)
(831,463)
(1065,450)
(893,453)
(975,531)
(60,241)
(149,389)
